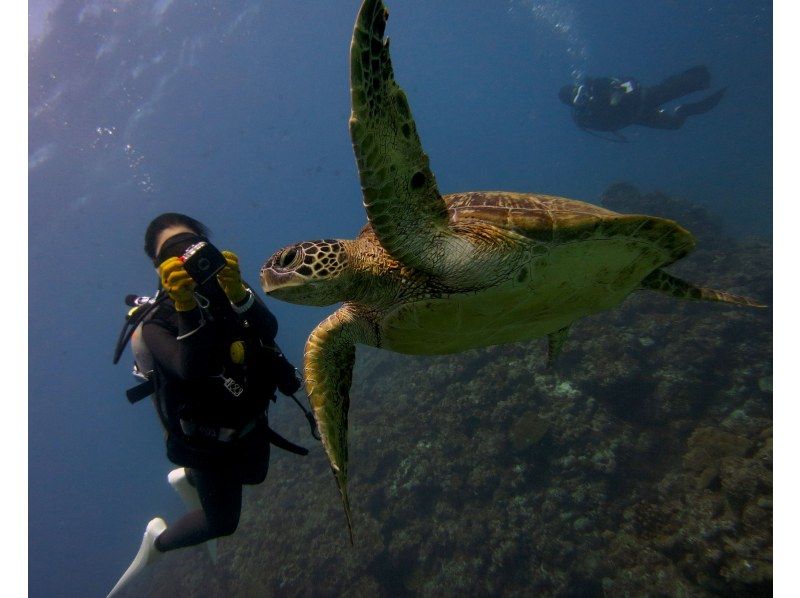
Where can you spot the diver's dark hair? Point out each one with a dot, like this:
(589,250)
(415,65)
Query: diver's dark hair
(166,220)
(566,94)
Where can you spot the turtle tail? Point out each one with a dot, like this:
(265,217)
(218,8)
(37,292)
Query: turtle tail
(658,280)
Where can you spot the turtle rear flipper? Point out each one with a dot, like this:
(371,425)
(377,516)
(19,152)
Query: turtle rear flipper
(660,281)
(555,342)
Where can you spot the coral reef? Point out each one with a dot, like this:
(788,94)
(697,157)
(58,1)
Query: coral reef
(642,465)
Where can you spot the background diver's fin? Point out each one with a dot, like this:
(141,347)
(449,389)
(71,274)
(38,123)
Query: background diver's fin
(555,342)
(704,105)
(660,281)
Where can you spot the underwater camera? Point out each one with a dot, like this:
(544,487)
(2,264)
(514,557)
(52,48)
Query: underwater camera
(202,262)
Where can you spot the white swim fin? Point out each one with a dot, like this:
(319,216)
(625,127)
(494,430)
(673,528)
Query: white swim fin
(188,493)
(147,555)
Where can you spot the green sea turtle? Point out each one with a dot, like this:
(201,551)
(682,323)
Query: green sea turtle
(433,275)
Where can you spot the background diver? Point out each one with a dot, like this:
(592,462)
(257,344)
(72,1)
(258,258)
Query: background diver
(209,351)
(612,103)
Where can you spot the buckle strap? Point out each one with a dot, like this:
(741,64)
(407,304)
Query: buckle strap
(218,433)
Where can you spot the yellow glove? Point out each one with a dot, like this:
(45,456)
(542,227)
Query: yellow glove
(178,284)
(230,278)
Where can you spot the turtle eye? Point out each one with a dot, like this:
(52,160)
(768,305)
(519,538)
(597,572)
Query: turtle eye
(288,257)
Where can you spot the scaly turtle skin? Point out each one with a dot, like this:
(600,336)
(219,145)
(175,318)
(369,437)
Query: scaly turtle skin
(434,275)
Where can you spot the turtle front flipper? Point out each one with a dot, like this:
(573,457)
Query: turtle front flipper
(329,356)
(401,198)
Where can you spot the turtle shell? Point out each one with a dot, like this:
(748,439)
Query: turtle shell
(554,220)
(570,259)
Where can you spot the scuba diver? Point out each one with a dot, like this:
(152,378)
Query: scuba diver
(612,103)
(205,347)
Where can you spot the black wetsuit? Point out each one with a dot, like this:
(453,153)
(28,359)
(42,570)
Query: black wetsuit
(612,103)
(223,440)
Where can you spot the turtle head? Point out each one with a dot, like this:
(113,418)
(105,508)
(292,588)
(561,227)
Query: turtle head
(308,273)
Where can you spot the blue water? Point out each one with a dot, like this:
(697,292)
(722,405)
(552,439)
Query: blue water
(236,113)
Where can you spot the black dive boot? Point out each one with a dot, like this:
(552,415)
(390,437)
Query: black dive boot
(702,106)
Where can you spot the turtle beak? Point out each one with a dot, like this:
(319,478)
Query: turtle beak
(281,280)
(273,280)
(291,287)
